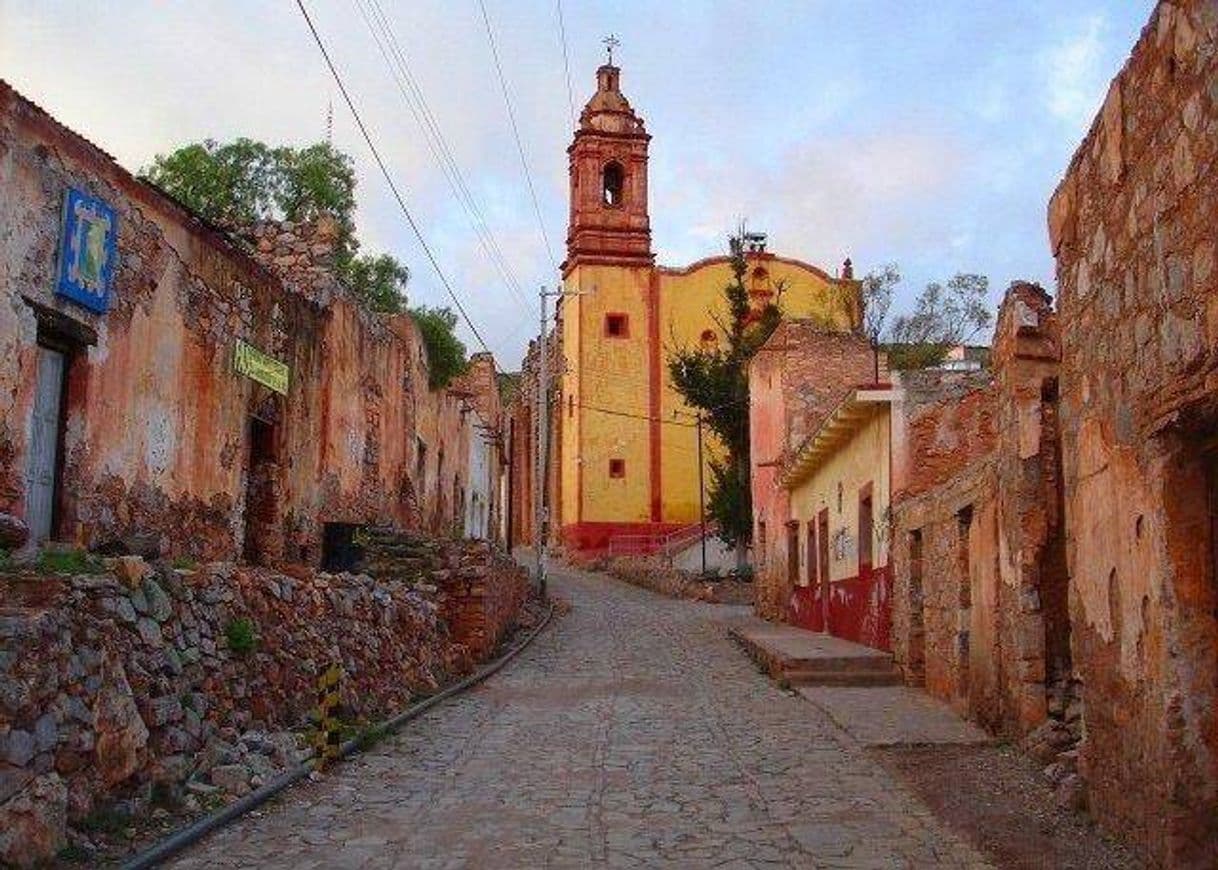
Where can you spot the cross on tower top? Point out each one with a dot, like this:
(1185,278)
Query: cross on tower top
(611,42)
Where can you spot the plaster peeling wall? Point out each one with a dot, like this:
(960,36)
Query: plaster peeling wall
(1133,229)
(157,434)
(795,381)
(980,617)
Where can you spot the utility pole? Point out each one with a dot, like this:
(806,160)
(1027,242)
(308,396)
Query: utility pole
(701,495)
(543,444)
(542,510)
(698,421)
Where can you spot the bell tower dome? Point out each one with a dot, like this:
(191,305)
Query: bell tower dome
(609,223)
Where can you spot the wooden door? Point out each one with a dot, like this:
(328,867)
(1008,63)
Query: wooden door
(42,474)
(822,540)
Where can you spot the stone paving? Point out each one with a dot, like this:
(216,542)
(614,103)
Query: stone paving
(633,733)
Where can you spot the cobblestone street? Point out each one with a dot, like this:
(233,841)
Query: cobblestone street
(632,733)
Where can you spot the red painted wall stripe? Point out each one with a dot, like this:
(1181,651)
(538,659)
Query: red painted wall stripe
(655,385)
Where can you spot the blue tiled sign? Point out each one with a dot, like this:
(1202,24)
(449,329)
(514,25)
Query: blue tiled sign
(87,251)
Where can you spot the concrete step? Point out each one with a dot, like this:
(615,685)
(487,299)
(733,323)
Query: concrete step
(856,664)
(818,677)
(393,571)
(804,658)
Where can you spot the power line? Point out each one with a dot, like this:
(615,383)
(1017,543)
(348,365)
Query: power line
(524,164)
(399,67)
(649,418)
(385,172)
(566,61)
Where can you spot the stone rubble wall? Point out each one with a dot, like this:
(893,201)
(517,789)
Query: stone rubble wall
(977,484)
(109,686)
(657,575)
(1133,230)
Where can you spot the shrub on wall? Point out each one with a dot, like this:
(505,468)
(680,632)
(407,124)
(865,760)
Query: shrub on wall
(240,636)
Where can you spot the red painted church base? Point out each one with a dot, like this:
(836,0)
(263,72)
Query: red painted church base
(860,609)
(595,536)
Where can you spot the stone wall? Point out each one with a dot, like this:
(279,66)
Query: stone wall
(942,443)
(521,410)
(479,389)
(795,381)
(978,543)
(1133,230)
(109,686)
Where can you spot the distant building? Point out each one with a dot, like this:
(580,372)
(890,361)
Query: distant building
(627,457)
(796,379)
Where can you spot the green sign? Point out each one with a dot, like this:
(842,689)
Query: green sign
(257,366)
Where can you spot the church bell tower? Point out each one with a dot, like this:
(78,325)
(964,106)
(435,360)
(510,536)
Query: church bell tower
(609,223)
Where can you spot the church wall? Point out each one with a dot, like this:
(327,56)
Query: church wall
(607,384)
(691,302)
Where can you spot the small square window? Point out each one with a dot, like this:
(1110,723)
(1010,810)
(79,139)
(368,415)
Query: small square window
(617,326)
(617,467)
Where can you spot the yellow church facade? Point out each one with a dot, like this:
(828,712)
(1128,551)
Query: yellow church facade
(628,447)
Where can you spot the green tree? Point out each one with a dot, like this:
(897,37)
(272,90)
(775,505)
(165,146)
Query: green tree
(714,381)
(877,288)
(314,181)
(446,354)
(379,282)
(231,184)
(237,183)
(943,316)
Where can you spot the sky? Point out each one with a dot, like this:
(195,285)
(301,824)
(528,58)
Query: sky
(928,133)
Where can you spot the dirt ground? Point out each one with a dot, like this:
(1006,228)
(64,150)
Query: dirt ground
(996,797)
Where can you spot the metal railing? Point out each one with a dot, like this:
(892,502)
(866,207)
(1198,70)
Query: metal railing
(666,545)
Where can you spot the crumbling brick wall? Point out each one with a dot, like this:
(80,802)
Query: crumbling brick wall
(159,436)
(795,381)
(942,510)
(1133,230)
(977,536)
(483,594)
(522,412)
(478,389)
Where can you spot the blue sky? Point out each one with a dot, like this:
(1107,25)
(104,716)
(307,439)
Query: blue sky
(926,133)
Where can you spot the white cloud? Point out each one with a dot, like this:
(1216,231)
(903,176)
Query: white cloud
(827,198)
(1075,75)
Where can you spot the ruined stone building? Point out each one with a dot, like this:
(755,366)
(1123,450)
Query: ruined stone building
(979,599)
(479,387)
(164,381)
(1133,228)
(521,430)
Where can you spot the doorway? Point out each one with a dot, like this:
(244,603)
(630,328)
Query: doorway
(866,532)
(793,553)
(260,495)
(341,549)
(822,558)
(44,471)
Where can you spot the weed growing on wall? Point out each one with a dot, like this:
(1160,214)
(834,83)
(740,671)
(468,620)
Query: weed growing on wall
(240,636)
(67,562)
